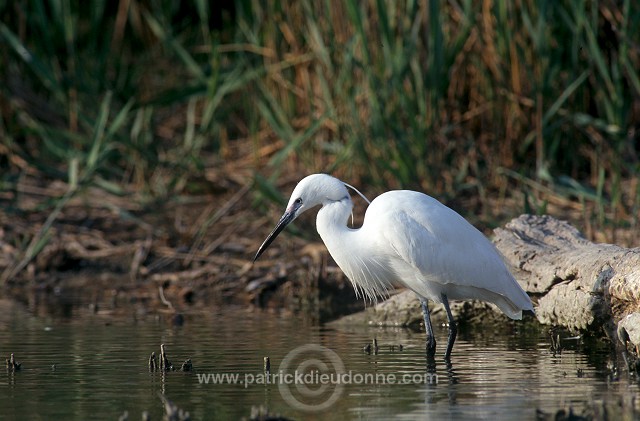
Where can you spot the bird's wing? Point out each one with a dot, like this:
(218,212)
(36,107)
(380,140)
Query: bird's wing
(443,246)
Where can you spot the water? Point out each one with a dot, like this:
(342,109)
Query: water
(96,368)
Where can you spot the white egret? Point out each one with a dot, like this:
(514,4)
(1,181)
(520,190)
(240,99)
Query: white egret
(409,238)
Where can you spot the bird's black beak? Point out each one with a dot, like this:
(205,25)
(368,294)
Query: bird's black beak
(285,220)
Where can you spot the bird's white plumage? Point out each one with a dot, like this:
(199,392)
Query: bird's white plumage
(436,251)
(412,239)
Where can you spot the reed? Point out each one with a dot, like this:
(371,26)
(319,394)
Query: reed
(539,98)
(533,101)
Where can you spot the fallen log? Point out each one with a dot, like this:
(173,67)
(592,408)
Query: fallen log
(579,284)
(573,282)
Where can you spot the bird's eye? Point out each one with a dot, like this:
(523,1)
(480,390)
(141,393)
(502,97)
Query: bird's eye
(298,201)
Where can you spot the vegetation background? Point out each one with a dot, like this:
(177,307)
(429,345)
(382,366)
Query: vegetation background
(496,108)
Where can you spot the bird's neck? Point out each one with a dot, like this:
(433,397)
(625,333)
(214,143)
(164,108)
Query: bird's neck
(331,223)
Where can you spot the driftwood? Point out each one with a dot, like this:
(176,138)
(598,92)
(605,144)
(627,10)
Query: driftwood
(164,364)
(580,284)
(573,282)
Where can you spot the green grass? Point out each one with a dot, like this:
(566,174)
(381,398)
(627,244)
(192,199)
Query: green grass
(534,100)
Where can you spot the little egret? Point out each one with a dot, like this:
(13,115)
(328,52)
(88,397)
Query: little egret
(411,239)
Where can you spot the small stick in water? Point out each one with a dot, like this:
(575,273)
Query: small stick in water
(187,365)
(165,364)
(267,365)
(12,364)
(153,362)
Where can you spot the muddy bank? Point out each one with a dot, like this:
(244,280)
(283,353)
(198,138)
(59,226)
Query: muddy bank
(116,255)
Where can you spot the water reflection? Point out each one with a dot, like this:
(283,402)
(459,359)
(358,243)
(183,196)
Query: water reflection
(79,369)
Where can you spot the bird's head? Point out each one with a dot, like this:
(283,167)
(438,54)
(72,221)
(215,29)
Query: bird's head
(311,191)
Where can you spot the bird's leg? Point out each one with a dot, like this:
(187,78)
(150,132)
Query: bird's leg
(431,339)
(453,328)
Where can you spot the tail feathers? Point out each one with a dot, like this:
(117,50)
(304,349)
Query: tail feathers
(511,306)
(511,309)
